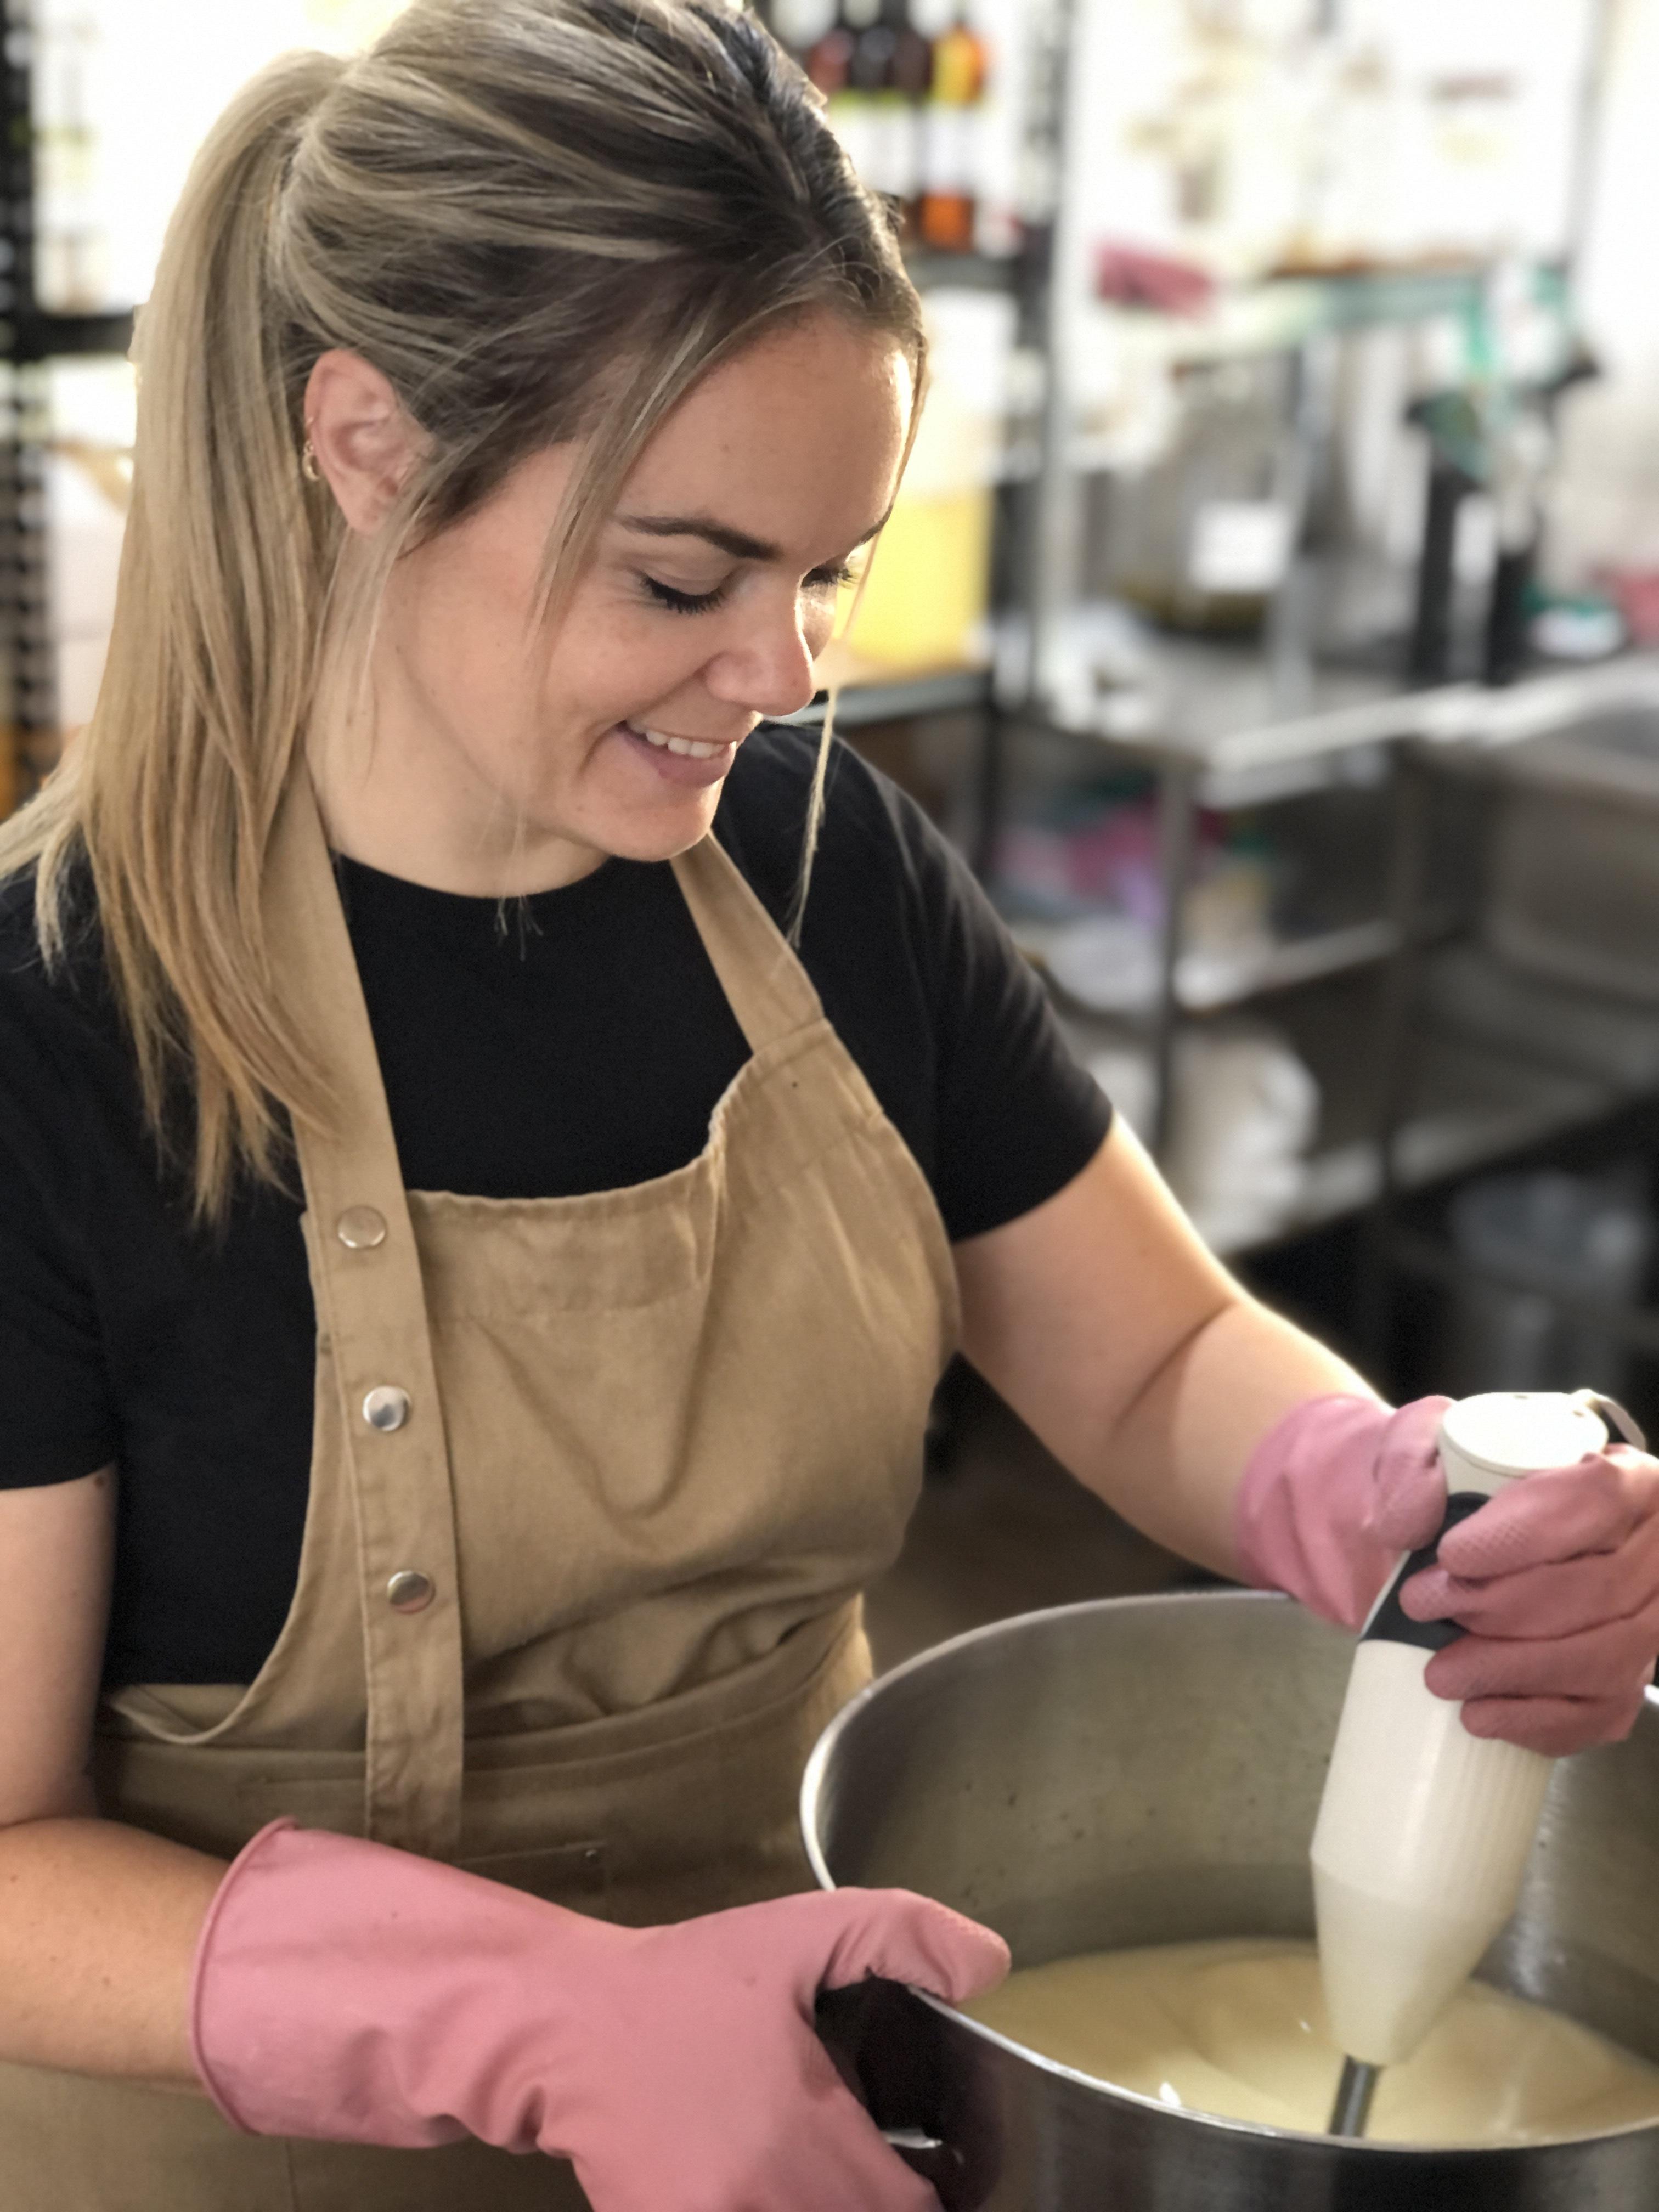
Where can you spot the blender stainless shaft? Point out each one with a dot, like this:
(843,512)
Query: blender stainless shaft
(1353,2098)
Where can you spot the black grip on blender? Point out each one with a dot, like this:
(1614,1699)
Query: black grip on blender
(1389,1623)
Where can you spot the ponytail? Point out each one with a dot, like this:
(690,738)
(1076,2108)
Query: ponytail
(170,794)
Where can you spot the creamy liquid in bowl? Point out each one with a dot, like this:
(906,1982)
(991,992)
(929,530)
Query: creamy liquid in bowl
(1238,2029)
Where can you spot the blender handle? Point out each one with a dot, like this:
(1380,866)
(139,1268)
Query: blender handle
(930,2156)
(843,2018)
(1624,1426)
(1387,1622)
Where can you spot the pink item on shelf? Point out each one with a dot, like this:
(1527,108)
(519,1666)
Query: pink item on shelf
(349,1991)
(1133,276)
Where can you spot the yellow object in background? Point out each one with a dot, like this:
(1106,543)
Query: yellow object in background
(924,604)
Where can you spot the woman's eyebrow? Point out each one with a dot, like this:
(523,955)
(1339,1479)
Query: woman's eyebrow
(737,542)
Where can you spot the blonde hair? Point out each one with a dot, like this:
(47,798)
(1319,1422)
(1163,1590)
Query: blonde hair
(541,220)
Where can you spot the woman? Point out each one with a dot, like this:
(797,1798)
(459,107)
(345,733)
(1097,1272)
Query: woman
(471,1287)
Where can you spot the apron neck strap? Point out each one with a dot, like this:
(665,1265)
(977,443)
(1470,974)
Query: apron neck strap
(371,1313)
(765,985)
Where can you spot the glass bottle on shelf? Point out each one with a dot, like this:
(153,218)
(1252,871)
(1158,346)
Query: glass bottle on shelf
(950,181)
(800,25)
(827,58)
(882,122)
(913,78)
(831,65)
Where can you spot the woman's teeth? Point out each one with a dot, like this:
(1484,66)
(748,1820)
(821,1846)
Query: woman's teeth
(687,748)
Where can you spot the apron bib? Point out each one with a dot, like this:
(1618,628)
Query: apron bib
(595,1484)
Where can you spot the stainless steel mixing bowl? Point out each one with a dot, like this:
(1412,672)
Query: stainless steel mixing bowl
(1145,1771)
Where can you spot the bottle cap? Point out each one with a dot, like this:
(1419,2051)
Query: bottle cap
(1507,1433)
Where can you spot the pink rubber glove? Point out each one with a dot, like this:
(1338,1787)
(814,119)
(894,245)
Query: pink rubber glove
(1558,1581)
(1334,1495)
(346,1991)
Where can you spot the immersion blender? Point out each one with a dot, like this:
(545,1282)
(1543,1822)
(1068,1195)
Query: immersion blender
(1423,1830)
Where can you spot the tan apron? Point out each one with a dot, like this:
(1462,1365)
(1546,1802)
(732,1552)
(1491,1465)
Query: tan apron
(595,1485)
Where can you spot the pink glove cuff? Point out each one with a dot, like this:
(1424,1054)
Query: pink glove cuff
(1333,1495)
(252,2035)
(204,1943)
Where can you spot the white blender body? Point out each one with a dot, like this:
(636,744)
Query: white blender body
(1425,1831)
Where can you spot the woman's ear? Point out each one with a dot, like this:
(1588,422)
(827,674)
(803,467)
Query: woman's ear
(364,441)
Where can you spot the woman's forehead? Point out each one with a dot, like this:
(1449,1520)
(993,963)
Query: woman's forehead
(801,434)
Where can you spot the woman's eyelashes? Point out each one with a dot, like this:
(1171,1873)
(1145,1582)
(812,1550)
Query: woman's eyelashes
(677,602)
(683,602)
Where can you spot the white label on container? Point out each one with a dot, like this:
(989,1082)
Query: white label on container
(1240,546)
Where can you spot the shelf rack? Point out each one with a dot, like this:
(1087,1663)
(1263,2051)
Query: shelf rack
(30,338)
(1279,313)
(1571,1057)
(1470,1100)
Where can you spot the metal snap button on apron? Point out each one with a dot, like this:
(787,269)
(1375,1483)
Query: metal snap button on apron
(410,1591)
(361,1228)
(386,1408)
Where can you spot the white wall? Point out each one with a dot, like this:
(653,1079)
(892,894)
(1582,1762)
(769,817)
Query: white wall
(1620,278)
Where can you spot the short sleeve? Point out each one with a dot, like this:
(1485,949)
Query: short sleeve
(56,1419)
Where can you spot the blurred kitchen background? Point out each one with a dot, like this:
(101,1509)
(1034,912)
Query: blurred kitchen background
(1272,614)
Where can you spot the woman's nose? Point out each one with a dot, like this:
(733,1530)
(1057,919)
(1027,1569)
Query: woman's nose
(769,669)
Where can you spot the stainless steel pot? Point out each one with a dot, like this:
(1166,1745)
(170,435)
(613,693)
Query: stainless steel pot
(1147,1770)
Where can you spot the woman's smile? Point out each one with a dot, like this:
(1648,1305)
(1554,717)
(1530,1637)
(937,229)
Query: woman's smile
(697,761)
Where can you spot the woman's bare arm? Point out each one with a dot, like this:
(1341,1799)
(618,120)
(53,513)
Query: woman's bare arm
(98,1923)
(1126,1345)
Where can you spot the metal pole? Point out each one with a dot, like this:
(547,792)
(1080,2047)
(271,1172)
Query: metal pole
(1177,839)
(1353,2098)
(1057,276)
(1394,1066)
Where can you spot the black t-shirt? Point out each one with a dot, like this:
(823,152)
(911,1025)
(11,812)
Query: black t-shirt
(572,1042)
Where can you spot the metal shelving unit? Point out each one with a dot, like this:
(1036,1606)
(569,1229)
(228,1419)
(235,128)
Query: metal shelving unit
(30,338)
(1410,1102)
(1561,1059)
(1221,726)
(1258,972)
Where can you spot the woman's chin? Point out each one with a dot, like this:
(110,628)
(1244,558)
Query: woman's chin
(654,833)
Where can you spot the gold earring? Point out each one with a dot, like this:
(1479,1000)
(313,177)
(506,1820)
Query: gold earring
(308,468)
